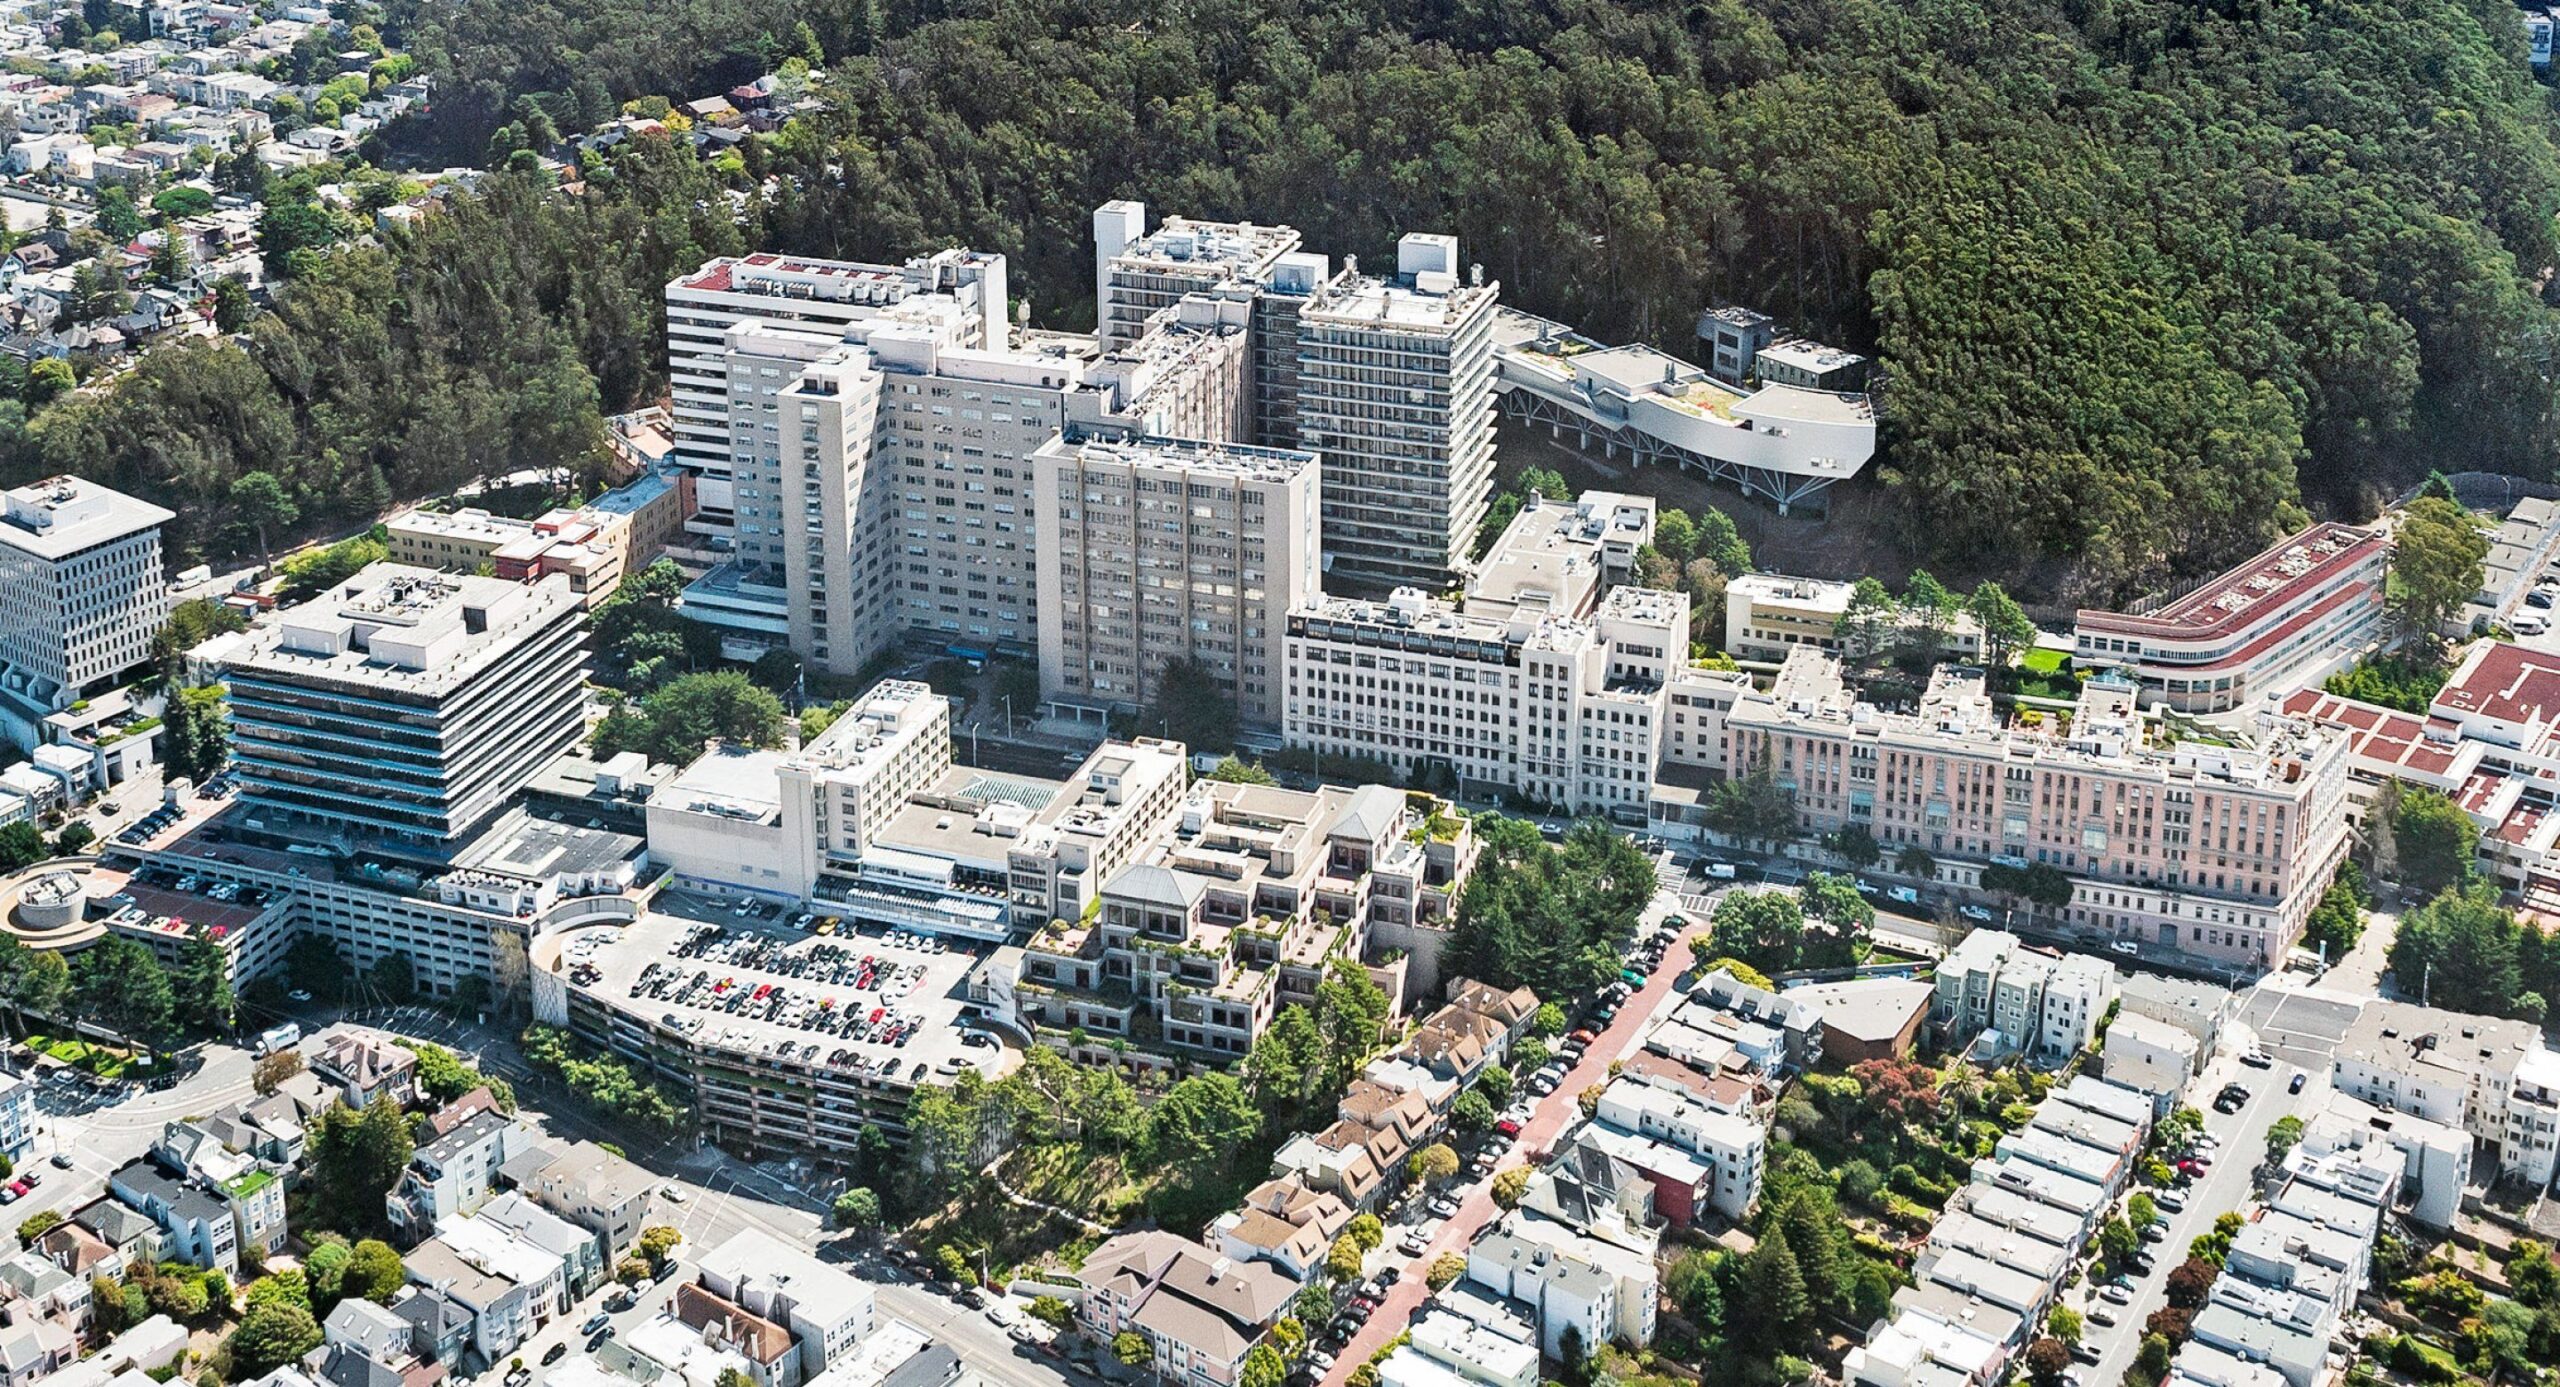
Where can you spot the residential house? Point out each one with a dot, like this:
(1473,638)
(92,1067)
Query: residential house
(827,1311)
(1283,1222)
(597,1190)
(580,1254)
(366,1067)
(498,1309)
(1867,1018)
(455,1174)
(129,1235)
(771,1358)
(196,1226)
(1200,1312)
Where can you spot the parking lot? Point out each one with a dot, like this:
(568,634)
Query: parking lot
(2299,1025)
(149,823)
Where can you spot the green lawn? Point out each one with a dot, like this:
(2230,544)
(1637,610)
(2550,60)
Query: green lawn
(2044,659)
(101,1060)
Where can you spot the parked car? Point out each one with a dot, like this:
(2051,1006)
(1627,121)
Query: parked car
(594,1323)
(2296,1085)
(2257,1059)
(554,1354)
(2126,947)
(1980,915)
(2115,1294)
(1443,1206)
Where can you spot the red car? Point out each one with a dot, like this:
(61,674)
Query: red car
(1507,1127)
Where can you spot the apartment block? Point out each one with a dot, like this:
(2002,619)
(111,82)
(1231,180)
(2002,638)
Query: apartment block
(2435,1158)
(2214,853)
(1447,1349)
(402,708)
(2487,1076)
(1164,549)
(82,589)
(828,1311)
(2022,1000)
(2270,626)
(1729,1146)
(1395,392)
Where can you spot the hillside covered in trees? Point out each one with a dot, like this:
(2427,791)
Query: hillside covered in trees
(490,338)
(2149,279)
(2147,276)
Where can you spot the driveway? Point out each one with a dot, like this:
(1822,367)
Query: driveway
(1552,1115)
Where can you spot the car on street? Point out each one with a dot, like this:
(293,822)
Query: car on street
(594,1323)
(1445,1206)
(1415,1243)
(673,1194)
(2101,1316)
(519,1377)
(2116,1295)
(1978,914)
(554,1354)
(2126,947)
(2155,1233)
(1509,1126)
(2084,1352)
(2171,1201)
(2257,1059)
(62,1159)
(298,995)
(2296,1085)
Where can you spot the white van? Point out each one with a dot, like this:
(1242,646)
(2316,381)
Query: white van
(276,1038)
(2531,624)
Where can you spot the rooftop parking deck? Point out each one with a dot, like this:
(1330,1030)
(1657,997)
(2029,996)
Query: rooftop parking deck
(841,1001)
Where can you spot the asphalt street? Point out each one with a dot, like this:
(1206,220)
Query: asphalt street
(2229,1185)
(1551,1115)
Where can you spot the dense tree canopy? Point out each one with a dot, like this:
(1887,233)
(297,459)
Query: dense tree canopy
(2143,277)
(1552,918)
(2125,265)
